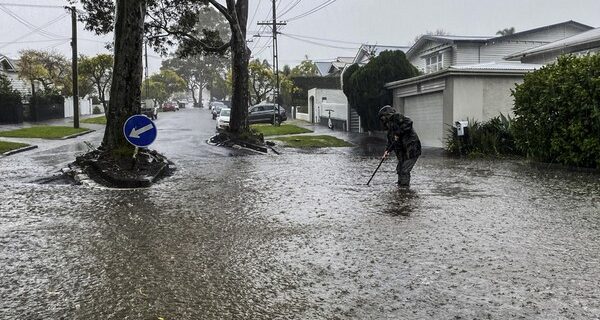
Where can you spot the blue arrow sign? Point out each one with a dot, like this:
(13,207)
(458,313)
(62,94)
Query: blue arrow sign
(140,131)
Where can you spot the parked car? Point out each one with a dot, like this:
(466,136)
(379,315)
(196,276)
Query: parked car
(149,109)
(263,113)
(216,108)
(223,118)
(170,106)
(150,112)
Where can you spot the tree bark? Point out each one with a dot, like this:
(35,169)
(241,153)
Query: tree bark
(125,91)
(240,55)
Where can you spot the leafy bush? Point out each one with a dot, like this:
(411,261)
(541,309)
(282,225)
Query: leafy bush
(491,138)
(96,110)
(7,93)
(557,111)
(364,86)
(47,98)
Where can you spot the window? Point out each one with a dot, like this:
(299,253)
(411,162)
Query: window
(434,63)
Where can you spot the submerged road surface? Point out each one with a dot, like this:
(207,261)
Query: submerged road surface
(297,236)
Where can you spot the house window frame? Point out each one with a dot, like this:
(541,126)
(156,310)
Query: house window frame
(438,65)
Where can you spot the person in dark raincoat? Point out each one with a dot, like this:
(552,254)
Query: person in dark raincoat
(403,140)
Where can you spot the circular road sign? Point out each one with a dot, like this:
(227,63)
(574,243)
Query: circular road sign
(140,131)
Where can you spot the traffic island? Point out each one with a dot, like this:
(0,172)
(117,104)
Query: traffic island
(124,172)
(309,141)
(249,140)
(284,129)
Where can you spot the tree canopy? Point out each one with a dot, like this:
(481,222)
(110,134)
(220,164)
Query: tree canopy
(306,68)
(51,69)
(506,31)
(98,70)
(169,22)
(161,86)
(364,86)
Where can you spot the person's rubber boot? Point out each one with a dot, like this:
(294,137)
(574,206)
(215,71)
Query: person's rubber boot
(403,181)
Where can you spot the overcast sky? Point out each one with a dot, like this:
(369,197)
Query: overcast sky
(336,29)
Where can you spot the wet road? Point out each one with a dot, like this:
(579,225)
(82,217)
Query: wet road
(298,236)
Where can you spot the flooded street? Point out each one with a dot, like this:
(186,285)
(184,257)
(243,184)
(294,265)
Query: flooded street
(298,236)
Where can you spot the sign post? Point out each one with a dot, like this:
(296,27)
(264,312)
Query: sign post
(140,131)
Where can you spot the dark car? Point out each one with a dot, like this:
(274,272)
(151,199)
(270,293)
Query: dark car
(265,112)
(216,108)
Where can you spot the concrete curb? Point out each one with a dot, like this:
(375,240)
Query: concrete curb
(77,134)
(9,153)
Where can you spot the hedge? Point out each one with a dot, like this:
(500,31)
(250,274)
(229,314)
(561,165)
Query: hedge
(557,112)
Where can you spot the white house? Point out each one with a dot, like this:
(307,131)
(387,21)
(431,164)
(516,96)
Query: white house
(9,68)
(580,44)
(467,77)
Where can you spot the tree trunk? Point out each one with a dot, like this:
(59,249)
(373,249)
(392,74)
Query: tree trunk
(125,90)
(240,55)
(193,90)
(101,96)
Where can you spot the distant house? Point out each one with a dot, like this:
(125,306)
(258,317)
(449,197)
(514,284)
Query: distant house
(9,68)
(580,44)
(468,77)
(334,67)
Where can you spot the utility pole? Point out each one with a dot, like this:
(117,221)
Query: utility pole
(74,67)
(274,25)
(146,71)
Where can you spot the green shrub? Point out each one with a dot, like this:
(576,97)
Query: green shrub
(557,111)
(491,138)
(96,110)
(8,96)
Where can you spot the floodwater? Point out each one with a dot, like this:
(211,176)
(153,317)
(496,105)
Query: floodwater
(298,236)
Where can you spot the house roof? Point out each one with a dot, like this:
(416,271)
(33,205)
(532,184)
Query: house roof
(503,68)
(448,39)
(327,67)
(575,24)
(323,67)
(11,63)
(591,37)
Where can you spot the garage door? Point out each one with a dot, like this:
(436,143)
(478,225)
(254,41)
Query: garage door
(426,113)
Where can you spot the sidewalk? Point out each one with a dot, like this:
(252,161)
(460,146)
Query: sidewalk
(67,122)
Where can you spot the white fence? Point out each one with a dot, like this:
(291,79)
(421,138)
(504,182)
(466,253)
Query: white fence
(303,116)
(85,107)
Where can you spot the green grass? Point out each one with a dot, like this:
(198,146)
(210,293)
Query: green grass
(313,142)
(270,130)
(44,132)
(6,146)
(95,120)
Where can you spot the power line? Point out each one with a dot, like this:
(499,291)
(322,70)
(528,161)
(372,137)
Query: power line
(313,10)
(62,16)
(31,5)
(34,41)
(318,44)
(315,38)
(255,11)
(28,24)
(289,8)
